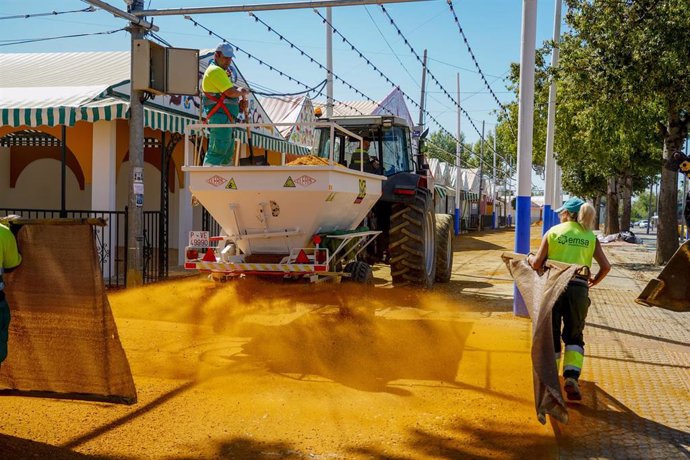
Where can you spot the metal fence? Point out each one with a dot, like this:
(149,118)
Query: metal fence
(209,224)
(111,241)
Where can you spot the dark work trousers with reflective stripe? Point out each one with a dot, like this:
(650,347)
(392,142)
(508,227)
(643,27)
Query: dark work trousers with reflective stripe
(4,326)
(568,320)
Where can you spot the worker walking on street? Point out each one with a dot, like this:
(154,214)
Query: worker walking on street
(572,242)
(9,259)
(221,105)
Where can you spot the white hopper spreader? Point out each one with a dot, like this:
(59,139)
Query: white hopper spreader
(271,215)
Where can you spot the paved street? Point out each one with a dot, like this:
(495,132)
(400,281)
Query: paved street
(270,370)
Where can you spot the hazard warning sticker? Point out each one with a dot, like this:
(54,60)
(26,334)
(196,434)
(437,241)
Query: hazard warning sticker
(216,180)
(305,181)
(231,185)
(289,182)
(362,191)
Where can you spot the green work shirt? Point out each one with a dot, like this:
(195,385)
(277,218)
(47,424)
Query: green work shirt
(215,80)
(9,255)
(569,242)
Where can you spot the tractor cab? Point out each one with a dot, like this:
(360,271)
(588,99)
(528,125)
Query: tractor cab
(386,148)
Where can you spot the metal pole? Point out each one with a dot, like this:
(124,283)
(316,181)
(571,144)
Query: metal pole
(329,63)
(135,235)
(493,192)
(131,17)
(421,98)
(481,178)
(649,204)
(458,164)
(525,126)
(550,165)
(63,172)
(686,229)
(261,7)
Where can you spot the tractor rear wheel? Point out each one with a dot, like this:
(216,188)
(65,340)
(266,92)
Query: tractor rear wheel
(412,242)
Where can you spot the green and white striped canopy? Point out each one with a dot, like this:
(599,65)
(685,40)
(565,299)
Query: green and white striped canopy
(110,109)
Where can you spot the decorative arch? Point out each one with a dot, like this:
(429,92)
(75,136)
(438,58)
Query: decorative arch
(27,146)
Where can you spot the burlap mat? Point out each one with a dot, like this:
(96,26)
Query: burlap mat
(63,337)
(540,292)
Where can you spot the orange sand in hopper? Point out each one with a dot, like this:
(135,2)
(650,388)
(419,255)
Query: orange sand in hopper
(310,160)
(254,369)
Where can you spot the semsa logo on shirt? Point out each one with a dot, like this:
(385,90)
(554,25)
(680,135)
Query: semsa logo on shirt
(572,241)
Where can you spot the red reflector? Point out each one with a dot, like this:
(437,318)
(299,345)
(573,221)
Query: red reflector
(404,191)
(189,265)
(210,256)
(302,257)
(192,254)
(422,183)
(320,268)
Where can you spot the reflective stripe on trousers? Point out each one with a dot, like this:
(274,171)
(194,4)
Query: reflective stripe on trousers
(572,361)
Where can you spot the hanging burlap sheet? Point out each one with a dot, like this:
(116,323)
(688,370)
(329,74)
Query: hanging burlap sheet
(540,292)
(63,338)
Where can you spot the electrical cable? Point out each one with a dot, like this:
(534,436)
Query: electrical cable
(260,61)
(356,50)
(479,69)
(34,40)
(90,9)
(314,61)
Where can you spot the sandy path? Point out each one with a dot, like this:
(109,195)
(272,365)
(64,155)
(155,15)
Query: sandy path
(253,370)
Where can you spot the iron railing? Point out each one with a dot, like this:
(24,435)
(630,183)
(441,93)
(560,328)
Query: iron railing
(111,241)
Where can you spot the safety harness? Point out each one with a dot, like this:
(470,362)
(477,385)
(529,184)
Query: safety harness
(219,103)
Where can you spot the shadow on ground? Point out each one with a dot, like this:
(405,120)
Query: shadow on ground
(12,447)
(603,427)
(360,351)
(474,243)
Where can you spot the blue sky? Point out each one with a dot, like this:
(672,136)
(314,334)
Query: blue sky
(492,28)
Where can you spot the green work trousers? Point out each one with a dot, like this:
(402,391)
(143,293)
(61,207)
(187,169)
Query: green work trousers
(221,142)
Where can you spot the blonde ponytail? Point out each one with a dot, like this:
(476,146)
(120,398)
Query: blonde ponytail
(586,216)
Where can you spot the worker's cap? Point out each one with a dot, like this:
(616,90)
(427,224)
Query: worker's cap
(572,205)
(225,49)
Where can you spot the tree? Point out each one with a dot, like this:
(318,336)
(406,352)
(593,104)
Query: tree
(637,53)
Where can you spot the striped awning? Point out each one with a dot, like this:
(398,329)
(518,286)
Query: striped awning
(107,109)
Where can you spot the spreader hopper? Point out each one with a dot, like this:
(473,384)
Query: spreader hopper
(272,209)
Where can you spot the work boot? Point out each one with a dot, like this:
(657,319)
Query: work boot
(572,389)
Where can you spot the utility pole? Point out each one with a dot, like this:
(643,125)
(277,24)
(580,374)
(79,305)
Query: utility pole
(550,165)
(329,63)
(421,98)
(683,228)
(525,133)
(493,192)
(649,204)
(481,178)
(135,210)
(458,164)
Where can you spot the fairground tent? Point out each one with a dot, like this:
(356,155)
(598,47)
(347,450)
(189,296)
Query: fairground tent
(393,104)
(297,110)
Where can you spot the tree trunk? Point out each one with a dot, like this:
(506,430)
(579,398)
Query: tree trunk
(626,197)
(667,232)
(597,208)
(612,224)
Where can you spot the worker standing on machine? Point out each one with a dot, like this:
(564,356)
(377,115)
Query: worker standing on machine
(221,105)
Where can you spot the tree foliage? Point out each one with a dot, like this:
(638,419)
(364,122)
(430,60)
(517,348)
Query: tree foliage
(631,61)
